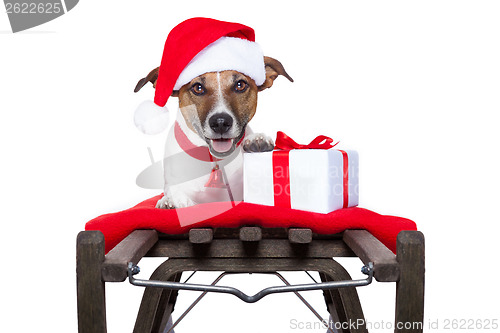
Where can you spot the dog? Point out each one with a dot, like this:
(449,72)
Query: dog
(203,153)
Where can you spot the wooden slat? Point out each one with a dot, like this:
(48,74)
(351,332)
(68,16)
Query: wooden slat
(201,235)
(274,233)
(370,249)
(300,235)
(250,234)
(266,248)
(410,287)
(90,287)
(131,249)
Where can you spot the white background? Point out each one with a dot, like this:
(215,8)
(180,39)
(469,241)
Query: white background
(412,85)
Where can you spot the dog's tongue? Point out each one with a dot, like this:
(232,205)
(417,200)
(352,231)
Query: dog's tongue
(222,145)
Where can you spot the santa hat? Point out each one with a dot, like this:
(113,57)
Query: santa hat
(194,47)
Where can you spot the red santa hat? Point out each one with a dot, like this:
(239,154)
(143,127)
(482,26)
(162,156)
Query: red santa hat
(194,47)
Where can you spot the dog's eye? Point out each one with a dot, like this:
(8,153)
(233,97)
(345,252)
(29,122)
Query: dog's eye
(240,86)
(198,89)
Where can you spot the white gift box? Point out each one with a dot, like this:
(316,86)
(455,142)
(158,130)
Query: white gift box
(307,179)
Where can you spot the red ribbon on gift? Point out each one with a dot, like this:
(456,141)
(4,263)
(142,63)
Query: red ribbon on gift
(285,142)
(281,164)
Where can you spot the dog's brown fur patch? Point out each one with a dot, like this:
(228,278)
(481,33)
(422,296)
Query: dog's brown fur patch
(242,104)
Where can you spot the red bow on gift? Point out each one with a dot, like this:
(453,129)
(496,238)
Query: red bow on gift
(285,142)
(281,161)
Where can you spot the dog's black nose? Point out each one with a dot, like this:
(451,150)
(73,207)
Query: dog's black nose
(220,122)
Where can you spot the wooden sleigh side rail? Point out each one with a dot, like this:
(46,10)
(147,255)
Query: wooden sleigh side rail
(407,269)
(94,269)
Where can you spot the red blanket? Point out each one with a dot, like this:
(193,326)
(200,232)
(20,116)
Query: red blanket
(117,226)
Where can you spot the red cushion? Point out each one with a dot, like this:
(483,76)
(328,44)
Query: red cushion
(116,226)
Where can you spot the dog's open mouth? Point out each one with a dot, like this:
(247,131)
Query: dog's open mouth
(221,146)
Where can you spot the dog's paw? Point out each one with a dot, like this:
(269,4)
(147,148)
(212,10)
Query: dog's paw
(164,203)
(174,199)
(257,143)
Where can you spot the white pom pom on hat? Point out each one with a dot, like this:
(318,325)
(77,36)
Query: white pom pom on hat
(194,47)
(150,118)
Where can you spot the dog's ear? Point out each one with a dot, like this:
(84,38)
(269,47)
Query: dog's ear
(274,68)
(151,77)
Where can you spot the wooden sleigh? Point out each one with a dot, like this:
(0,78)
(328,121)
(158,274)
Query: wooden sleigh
(256,250)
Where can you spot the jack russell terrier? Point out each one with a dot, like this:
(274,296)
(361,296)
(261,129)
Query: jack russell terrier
(203,153)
